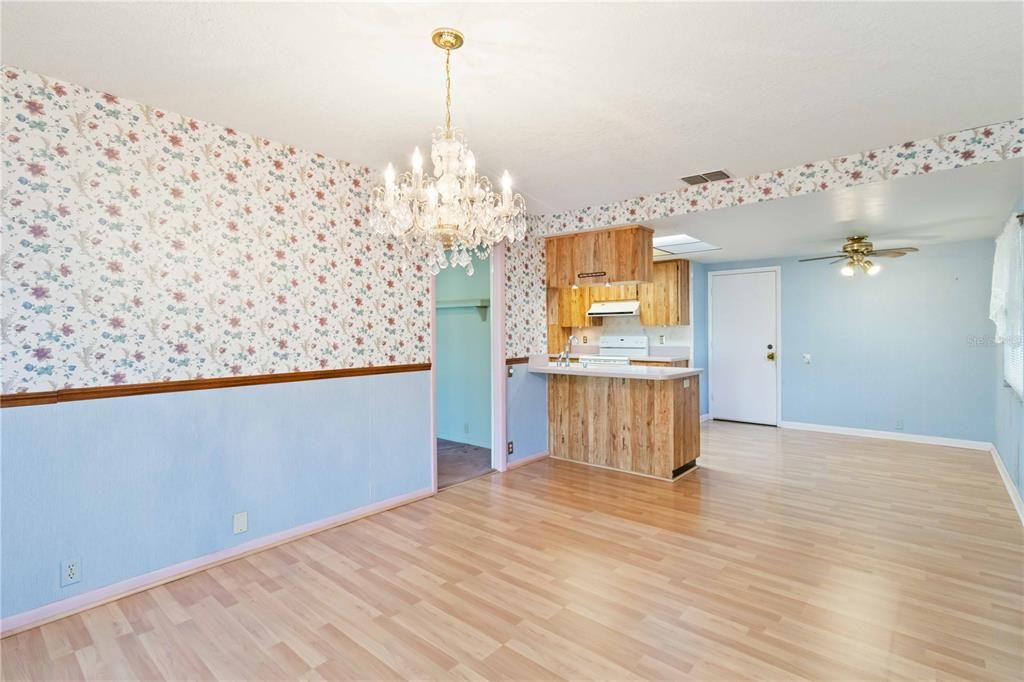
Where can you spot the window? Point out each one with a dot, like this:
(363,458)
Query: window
(1007,307)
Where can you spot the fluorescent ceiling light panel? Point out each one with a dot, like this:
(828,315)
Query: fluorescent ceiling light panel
(672,239)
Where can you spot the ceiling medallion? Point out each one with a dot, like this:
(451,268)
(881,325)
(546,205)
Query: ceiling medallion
(448,218)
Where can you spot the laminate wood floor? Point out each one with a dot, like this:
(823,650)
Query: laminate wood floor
(786,555)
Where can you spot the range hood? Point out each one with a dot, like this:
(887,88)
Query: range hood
(614,309)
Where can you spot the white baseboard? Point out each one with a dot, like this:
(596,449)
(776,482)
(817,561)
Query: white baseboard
(705,418)
(890,435)
(1018,504)
(26,620)
(515,464)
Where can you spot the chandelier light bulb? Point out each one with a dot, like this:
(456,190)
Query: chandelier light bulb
(389,177)
(506,182)
(873,268)
(417,161)
(846,270)
(470,163)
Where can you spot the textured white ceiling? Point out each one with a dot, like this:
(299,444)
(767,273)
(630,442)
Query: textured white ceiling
(955,205)
(584,103)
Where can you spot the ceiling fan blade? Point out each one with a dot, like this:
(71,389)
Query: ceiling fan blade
(807,260)
(893,253)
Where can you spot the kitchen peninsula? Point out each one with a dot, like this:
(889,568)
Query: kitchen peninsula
(638,419)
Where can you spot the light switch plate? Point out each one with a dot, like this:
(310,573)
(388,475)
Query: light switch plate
(241,522)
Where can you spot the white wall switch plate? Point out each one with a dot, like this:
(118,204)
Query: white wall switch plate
(241,522)
(70,572)
(807,358)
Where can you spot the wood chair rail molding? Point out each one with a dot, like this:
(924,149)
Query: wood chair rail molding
(93,393)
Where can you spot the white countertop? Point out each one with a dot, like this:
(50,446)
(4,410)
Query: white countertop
(540,364)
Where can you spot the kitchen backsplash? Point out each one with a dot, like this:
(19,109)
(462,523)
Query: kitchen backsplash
(630,326)
(141,245)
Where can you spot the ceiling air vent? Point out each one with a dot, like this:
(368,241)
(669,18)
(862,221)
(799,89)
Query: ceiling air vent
(710,176)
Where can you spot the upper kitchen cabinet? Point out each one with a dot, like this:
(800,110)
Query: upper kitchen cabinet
(665,300)
(558,256)
(618,254)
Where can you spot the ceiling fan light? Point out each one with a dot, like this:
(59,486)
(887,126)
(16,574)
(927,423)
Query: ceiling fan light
(847,270)
(873,268)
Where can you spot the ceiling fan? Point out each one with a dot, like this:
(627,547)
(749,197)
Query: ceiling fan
(856,251)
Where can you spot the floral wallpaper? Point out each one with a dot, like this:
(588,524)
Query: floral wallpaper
(997,142)
(526,314)
(141,245)
(526,296)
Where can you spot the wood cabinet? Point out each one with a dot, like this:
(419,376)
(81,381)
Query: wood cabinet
(573,305)
(640,426)
(587,259)
(559,261)
(665,300)
(616,292)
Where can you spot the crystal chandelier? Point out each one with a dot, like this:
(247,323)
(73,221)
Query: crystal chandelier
(456,214)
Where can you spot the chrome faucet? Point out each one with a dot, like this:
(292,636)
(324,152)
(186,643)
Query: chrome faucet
(564,355)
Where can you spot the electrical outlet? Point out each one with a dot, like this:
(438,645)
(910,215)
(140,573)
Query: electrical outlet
(584,340)
(240,522)
(899,424)
(70,572)
(510,447)
(661,339)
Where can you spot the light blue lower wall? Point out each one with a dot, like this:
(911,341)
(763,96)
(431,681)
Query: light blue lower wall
(131,485)
(527,410)
(905,345)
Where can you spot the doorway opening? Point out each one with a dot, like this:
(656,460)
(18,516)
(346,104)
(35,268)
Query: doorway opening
(463,391)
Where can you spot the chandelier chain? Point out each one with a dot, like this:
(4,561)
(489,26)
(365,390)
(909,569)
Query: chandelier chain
(448,90)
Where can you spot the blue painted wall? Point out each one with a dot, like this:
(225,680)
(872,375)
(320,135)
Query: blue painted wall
(131,485)
(899,346)
(463,358)
(527,410)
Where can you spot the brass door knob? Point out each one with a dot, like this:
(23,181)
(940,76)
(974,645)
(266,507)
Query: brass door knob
(771,356)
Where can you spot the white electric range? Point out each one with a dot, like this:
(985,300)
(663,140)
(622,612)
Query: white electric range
(617,350)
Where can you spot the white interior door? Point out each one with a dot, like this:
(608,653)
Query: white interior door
(744,346)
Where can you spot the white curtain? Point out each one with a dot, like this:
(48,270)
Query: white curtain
(1007,306)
